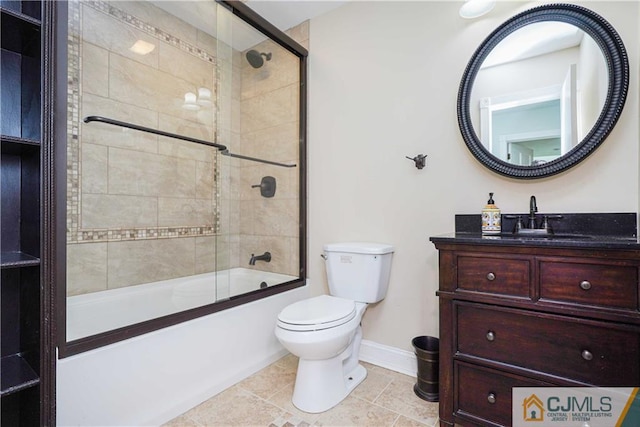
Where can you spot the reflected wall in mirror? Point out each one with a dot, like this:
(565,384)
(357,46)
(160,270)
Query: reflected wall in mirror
(158,226)
(528,117)
(543,91)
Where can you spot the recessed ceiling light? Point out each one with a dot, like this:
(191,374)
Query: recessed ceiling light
(476,8)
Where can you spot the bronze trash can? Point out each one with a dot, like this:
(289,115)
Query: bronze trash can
(428,353)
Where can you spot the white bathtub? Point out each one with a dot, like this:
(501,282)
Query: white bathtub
(152,378)
(97,312)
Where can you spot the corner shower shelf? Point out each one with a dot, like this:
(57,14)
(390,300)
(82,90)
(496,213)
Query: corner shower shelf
(222,148)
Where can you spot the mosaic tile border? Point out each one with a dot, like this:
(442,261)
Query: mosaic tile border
(110,235)
(73,120)
(156,32)
(74,233)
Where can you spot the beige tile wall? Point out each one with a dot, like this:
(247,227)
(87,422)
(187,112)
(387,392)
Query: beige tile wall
(132,180)
(269,129)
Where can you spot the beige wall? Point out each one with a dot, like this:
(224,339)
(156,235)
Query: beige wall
(383,83)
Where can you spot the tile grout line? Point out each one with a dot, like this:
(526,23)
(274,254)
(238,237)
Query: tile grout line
(399,413)
(383,390)
(284,413)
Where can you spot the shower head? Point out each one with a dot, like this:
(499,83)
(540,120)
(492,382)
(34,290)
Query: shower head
(255,58)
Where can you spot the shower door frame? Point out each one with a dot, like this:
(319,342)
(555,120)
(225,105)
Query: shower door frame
(57,188)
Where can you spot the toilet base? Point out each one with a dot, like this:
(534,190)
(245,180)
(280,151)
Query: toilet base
(317,389)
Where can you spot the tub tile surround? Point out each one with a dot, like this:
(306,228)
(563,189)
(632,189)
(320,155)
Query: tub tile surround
(127,186)
(133,193)
(384,398)
(268,114)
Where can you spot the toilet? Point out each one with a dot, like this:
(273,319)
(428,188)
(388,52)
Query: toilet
(325,332)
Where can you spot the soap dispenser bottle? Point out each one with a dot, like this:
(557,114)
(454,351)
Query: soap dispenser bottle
(491,218)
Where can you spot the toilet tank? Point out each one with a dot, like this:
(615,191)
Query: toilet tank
(358,271)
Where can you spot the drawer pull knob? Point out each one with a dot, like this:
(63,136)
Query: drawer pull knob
(587,355)
(491,336)
(491,276)
(491,398)
(585,285)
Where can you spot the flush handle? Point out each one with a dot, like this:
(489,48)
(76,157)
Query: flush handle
(585,285)
(491,277)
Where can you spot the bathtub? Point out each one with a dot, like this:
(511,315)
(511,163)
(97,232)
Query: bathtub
(97,312)
(152,378)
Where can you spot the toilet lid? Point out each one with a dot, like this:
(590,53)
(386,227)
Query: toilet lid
(316,313)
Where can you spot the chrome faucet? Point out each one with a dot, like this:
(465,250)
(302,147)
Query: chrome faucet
(266,257)
(533,208)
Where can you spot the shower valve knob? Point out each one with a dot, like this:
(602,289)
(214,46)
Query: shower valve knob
(267,186)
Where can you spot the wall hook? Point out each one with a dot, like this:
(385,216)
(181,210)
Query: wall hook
(420,159)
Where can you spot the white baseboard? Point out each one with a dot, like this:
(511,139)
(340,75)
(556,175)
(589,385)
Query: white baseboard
(388,357)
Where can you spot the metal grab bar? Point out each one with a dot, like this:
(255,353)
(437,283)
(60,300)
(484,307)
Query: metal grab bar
(222,148)
(106,120)
(254,159)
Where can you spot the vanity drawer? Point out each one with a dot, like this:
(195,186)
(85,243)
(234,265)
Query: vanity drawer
(486,393)
(505,276)
(593,284)
(590,352)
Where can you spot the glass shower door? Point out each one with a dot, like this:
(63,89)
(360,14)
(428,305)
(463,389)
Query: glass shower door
(142,198)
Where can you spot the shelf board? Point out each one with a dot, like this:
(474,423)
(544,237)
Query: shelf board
(20,141)
(19,146)
(20,34)
(16,375)
(21,16)
(17,260)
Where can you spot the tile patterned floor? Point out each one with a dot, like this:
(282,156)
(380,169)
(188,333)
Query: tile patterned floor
(385,398)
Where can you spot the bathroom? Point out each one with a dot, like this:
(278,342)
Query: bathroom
(382,84)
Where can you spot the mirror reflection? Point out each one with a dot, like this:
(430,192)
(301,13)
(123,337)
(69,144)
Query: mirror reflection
(538,93)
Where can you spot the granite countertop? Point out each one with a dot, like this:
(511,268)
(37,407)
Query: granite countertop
(601,230)
(560,240)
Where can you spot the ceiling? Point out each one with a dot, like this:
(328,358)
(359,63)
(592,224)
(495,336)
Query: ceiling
(283,14)
(289,13)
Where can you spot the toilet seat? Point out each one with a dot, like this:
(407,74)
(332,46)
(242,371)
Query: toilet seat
(318,313)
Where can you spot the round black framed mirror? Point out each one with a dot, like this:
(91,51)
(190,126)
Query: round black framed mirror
(515,140)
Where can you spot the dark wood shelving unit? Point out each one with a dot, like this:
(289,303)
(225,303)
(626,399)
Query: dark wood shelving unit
(21,284)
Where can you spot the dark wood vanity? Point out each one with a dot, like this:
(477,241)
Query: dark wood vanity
(556,309)
(518,312)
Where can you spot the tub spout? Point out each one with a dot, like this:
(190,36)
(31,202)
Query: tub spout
(266,257)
